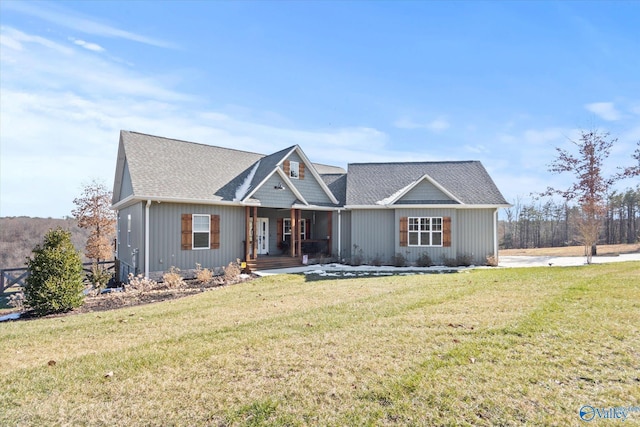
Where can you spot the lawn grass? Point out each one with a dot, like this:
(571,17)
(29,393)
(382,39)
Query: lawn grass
(485,347)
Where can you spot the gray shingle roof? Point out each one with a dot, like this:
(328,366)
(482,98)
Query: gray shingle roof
(174,169)
(337,183)
(468,181)
(165,167)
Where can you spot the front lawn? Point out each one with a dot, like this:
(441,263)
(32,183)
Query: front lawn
(485,347)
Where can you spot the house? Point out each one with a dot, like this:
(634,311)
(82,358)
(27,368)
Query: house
(180,203)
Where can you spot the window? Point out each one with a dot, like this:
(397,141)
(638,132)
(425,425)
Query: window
(286,228)
(294,170)
(201,229)
(129,230)
(425,231)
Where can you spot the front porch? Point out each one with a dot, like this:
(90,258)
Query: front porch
(286,235)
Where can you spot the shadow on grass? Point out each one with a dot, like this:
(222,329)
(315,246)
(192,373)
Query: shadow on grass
(314,276)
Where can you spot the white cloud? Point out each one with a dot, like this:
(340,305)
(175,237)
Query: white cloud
(605,110)
(72,20)
(89,46)
(437,125)
(66,107)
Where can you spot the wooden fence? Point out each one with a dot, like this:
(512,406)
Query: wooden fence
(16,276)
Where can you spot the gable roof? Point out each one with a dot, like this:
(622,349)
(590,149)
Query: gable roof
(375,184)
(171,169)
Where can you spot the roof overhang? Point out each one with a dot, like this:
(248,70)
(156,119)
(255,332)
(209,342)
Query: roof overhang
(132,200)
(427,206)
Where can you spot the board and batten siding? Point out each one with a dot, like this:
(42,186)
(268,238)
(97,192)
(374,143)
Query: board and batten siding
(345,235)
(474,236)
(373,232)
(130,242)
(436,253)
(165,237)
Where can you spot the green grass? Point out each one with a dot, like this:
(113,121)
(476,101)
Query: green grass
(487,347)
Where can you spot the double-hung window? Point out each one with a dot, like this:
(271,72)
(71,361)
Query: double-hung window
(201,228)
(286,228)
(294,170)
(425,231)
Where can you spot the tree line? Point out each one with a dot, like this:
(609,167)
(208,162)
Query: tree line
(553,223)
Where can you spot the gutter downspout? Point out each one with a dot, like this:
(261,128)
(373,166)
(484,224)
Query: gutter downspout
(495,235)
(146,239)
(339,235)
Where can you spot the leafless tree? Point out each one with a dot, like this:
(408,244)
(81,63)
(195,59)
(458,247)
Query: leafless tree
(590,186)
(93,213)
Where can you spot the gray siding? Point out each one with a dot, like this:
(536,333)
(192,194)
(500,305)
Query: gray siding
(130,242)
(309,187)
(165,237)
(126,189)
(412,253)
(345,234)
(425,191)
(474,235)
(271,197)
(373,231)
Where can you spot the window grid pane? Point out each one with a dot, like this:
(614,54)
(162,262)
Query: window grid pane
(425,231)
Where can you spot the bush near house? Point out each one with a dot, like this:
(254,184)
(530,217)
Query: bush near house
(55,275)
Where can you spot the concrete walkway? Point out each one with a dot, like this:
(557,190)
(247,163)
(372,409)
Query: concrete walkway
(505,261)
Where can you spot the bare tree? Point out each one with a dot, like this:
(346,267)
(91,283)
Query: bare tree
(590,186)
(93,213)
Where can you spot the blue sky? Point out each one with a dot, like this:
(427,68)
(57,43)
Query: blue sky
(500,82)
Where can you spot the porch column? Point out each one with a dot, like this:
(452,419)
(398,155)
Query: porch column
(329,231)
(255,232)
(294,227)
(299,232)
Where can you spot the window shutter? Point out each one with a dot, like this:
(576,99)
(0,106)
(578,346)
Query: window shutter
(286,167)
(214,238)
(446,231)
(187,243)
(404,231)
(279,227)
(301,172)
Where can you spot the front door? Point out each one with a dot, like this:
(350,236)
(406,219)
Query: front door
(263,236)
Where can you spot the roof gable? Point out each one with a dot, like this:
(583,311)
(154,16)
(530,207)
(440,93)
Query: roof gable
(465,182)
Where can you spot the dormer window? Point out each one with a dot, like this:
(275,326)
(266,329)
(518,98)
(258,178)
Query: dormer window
(294,170)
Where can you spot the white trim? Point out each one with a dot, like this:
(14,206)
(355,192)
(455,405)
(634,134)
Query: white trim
(312,169)
(193,240)
(495,235)
(135,199)
(286,180)
(403,191)
(314,207)
(146,239)
(438,206)
(430,231)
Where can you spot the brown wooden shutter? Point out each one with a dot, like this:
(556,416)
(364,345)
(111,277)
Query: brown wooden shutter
(279,231)
(215,232)
(286,167)
(446,231)
(404,231)
(301,171)
(187,236)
